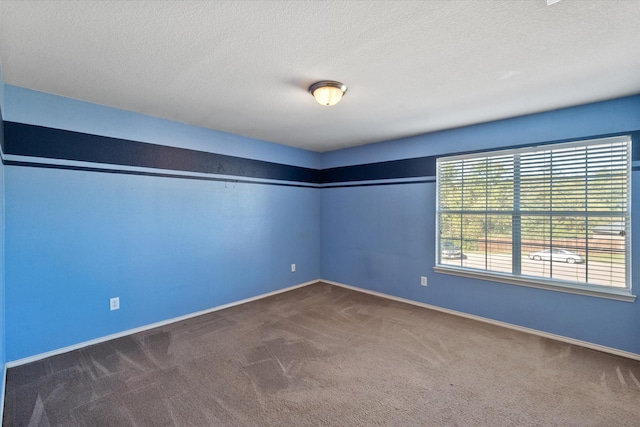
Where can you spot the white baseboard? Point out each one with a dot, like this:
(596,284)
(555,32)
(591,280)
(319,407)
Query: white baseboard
(41,356)
(561,338)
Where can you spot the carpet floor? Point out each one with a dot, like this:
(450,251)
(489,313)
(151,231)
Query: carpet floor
(326,356)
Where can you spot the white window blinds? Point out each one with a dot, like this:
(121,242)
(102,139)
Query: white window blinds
(558,213)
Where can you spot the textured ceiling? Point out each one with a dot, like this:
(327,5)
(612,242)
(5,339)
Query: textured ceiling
(244,66)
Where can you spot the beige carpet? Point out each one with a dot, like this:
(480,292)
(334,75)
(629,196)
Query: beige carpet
(326,356)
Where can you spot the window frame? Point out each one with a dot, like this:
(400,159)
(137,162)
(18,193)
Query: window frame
(548,283)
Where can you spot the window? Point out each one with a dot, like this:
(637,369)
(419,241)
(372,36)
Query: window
(554,216)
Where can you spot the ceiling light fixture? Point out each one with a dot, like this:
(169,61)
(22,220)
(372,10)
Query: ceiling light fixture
(327,92)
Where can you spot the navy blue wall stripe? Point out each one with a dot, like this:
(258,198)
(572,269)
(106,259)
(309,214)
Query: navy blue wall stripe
(425,166)
(37,141)
(377,184)
(154,174)
(394,169)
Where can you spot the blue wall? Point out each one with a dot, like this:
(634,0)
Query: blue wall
(169,242)
(586,121)
(80,232)
(38,108)
(2,297)
(382,237)
(2,286)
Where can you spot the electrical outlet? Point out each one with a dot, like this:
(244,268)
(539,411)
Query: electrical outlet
(114,303)
(293,268)
(423,280)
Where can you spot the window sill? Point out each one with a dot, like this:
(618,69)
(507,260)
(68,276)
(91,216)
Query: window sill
(614,294)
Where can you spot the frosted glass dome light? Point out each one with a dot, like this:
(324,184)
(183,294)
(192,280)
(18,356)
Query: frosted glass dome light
(327,92)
